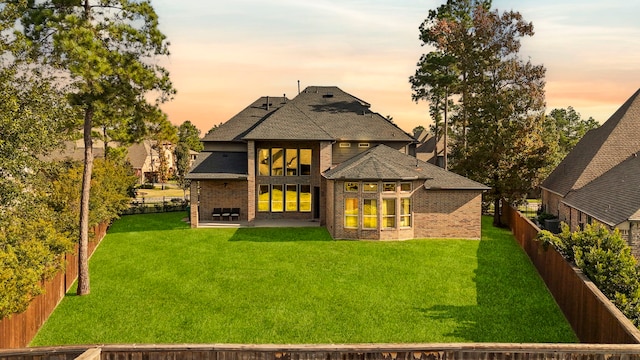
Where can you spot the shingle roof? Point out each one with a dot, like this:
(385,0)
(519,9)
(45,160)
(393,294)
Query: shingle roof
(385,163)
(243,122)
(327,113)
(613,197)
(599,150)
(219,165)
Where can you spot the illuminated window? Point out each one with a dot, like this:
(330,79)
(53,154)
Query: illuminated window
(370,187)
(351,213)
(263,162)
(277,198)
(277,161)
(291,198)
(305,198)
(370,214)
(345,145)
(363,145)
(405,212)
(351,186)
(263,198)
(405,187)
(388,213)
(389,187)
(305,161)
(292,162)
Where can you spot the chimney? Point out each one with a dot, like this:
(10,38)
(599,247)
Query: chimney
(267,103)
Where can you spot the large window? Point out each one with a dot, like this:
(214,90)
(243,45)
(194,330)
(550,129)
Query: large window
(370,187)
(405,212)
(284,162)
(305,161)
(264,162)
(351,186)
(370,214)
(277,198)
(305,198)
(388,213)
(351,213)
(277,161)
(263,198)
(292,162)
(291,198)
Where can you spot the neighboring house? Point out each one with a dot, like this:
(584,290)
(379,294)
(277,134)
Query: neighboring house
(599,180)
(325,156)
(426,148)
(142,156)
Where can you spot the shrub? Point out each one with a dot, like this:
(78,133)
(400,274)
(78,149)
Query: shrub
(606,259)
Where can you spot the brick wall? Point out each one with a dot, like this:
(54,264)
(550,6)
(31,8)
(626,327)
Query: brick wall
(447,214)
(634,238)
(222,194)
(251,181)
(193,212)
(435,214)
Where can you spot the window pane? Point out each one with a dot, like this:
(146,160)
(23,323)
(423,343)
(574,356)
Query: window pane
(292,162)
(276,198)
(263,198)
(351,213)
(351,187)
(388,213)
(389,187)
(263,162)
(305,198)
(292,198)
(405,187)
(370,214)
(405,212)
(277,161)
(305,161)
(370,187)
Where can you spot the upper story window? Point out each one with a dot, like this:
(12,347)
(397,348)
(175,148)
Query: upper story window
(345,145)
(405,187)
(370,187)
(363,145)
(283,162)
(351,186)
(389,187)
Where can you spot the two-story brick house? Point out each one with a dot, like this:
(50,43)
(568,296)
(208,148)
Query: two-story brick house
(599,180)
(325,156)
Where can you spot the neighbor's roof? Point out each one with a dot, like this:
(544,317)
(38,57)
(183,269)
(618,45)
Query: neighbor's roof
(599,150)
(219,165)
(612,198)
(243,122)
(385,163)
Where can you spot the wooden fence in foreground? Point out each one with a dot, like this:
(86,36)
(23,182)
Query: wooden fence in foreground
(19,329)
(486,351)
(592,316)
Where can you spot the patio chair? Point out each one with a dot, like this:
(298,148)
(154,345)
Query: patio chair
(235,212)
(216,214)
(226,213)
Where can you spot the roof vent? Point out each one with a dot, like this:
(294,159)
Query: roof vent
(327,95)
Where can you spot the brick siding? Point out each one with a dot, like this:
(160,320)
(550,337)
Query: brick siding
(222,194)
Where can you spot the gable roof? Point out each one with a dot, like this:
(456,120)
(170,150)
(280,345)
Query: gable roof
(612,198)
(219,165)
(599,150)
(384,163)
(247,119)
(317,113)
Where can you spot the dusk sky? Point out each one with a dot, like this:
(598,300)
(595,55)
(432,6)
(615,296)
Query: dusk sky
(226,54)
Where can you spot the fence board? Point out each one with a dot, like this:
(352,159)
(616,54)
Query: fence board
(18,330)
(592,316)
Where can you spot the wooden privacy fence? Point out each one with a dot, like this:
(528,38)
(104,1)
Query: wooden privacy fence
(19,329)
(592,316)
(487,351)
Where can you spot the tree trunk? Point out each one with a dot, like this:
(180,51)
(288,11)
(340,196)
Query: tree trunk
(497,221)
(83,244)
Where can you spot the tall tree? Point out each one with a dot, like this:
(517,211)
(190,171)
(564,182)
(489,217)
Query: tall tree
(499,123)
(189,134)
(104,50)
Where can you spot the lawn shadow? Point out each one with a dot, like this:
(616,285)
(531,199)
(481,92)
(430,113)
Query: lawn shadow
(150,222)
(508,300)
(284,234)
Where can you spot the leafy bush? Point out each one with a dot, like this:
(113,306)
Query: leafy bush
(146,186)
(606,259)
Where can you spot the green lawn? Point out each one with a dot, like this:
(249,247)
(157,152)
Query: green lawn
(154,280)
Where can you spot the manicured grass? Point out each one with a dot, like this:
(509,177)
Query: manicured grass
(154,280)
